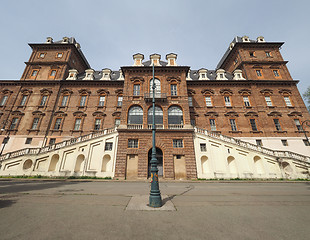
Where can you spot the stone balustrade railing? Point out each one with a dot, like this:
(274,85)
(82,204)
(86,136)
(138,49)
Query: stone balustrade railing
(56,146)
(282,154)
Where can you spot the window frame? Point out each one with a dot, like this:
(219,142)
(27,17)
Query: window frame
(299,126)
(133,143)
(100,102)
(77,124)
(58,124)
(35,124)
(177,143)
(277,124)
(248,102)
(253,120)
(62,54)
(259,73)
(3,102)
(276,73)
(174,92)
(203,147)
(227,103)
(14,123)
(233,124)
(136,89)
(212,126)
(208,103)
(119,103)
(100,125)
(268,103)
(44,96)
(83,103)
(108,146)
(287,99)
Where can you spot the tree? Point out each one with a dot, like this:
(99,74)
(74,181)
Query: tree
(306,96)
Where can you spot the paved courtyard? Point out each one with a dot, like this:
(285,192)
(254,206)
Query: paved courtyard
(32,209)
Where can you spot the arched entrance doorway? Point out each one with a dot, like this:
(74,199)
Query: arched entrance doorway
(159,156)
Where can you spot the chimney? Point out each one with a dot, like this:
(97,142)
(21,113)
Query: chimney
(171,58)
(138,57)
(155,58)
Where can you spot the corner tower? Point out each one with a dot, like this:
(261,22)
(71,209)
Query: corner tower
(52,60)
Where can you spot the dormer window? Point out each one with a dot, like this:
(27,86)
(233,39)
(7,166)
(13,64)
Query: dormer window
(138,59)
(245,39)
(155,58)
(106,74)
(220,74)
(171,58)
(89,74)
(238,75)
(203,74)
(72,74)
(260,39)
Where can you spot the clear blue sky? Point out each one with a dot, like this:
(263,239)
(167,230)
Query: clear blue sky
(110,32)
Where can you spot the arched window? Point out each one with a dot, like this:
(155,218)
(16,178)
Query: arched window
(175,115)
(135,115)
(158,115)
(157,84)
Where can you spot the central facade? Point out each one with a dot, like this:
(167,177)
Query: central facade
(243,119)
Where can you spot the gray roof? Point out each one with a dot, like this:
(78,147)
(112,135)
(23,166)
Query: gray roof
(98,75)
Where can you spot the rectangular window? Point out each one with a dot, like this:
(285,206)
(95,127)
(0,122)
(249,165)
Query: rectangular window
(83,101)
(43,100)
(174,90)
(133,143)
(277,124)
(246,101)
(203,147)
(77,124)
(57,124)
(119,101)
(284,142)
(288,101)
(59,55)
(208,101)
(252,54)
(97,124)
(3,100)
(298,125)
(28,141)
(253,124)
(268,101)
(190,101)
(52,141)
(14,123)
(136,90)
(177,143)
(259,73)
(101,101)
(259,142)
(212,124)
(233,124)
(268,54)
(117,122)
(306,142)
(64,100)
(35,123)
(193,122)
(23,100)
(276,73)
(227,101)
(34,73)
(108,146)
(53,73)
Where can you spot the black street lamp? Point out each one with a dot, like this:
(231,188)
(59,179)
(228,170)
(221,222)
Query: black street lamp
(7,138)
(307,123)
(155,197)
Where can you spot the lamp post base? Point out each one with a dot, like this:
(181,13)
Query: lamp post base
(155,201)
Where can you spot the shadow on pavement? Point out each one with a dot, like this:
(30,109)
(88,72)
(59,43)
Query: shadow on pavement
(26,186)
(6,203)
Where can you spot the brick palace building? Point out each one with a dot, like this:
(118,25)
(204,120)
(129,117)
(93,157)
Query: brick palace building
(243,119)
